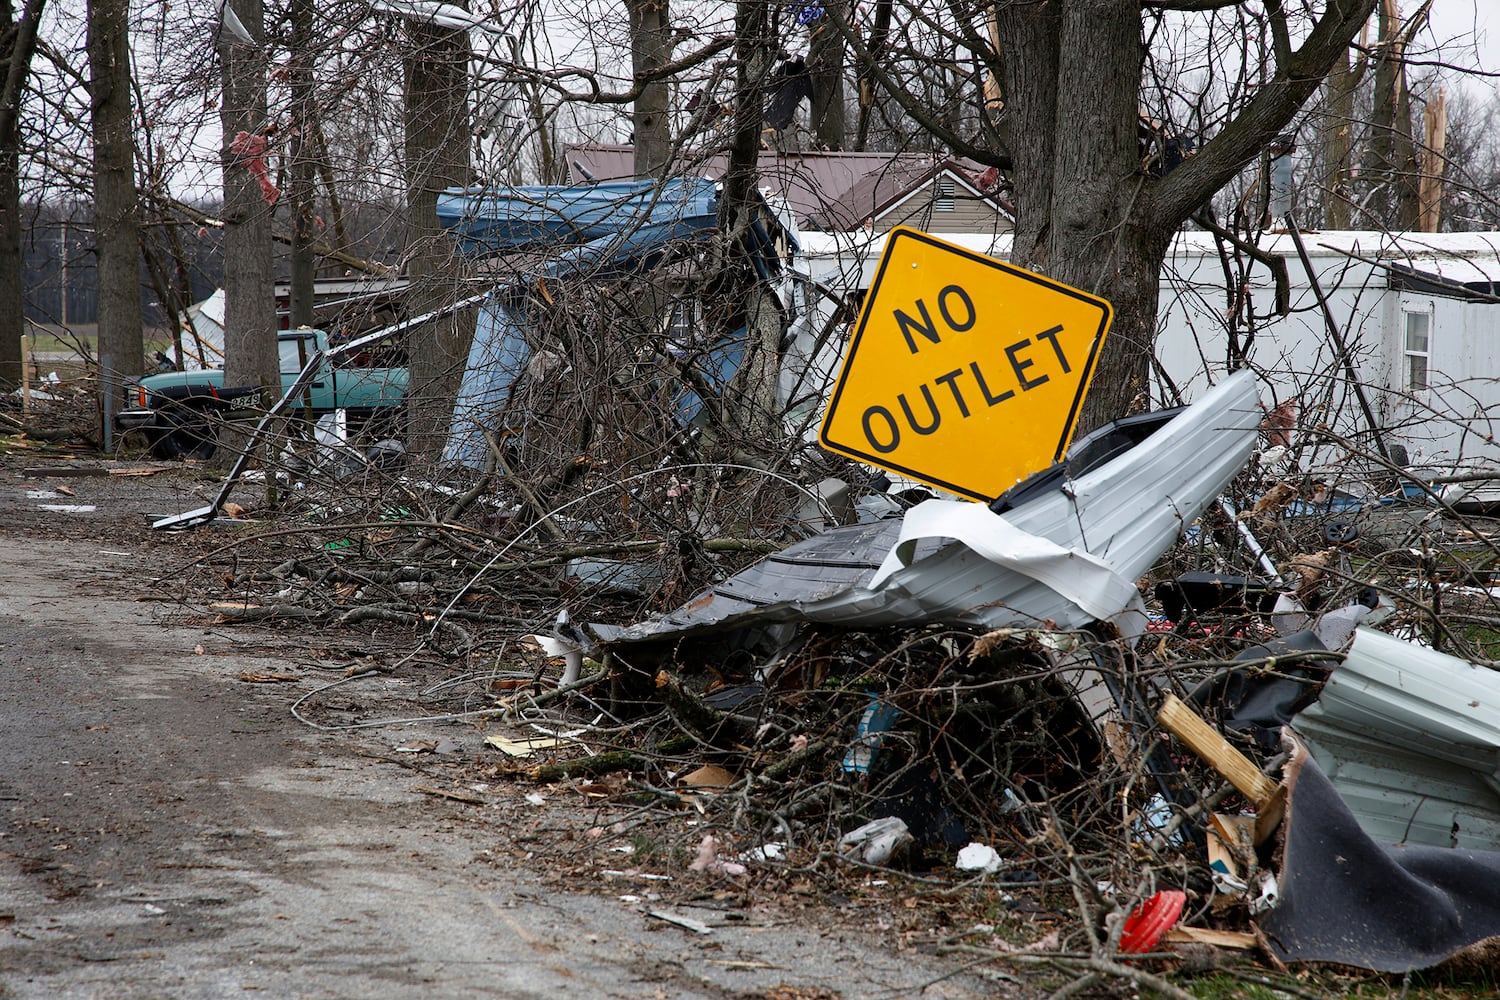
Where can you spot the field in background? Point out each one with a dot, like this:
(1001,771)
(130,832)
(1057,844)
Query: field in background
(71,352)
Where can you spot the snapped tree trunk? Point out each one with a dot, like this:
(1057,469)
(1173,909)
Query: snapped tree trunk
(1434,143)
(117,237)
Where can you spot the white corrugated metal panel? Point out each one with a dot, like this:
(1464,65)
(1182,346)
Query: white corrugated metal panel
(1125,513)
(1410,737)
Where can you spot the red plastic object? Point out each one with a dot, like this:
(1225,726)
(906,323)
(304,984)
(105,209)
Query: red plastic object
(1149,921)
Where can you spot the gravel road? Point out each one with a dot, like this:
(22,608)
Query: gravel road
(167,829)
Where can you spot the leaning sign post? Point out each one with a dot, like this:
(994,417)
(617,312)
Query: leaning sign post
(964,372)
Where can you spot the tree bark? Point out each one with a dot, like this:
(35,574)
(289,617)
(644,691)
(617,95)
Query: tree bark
(437,157)
(117,237)
(1434,144)
(825,65)
(1390,161)
(17,43)
(755,418)
(1087,213)
(250,355)
(880,33)
(650,50)
(1338,143)
(300,152)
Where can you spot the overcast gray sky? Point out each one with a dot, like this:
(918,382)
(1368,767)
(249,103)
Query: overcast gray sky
(1457,27)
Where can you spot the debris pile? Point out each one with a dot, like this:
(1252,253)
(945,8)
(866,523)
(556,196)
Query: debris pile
(1112,770)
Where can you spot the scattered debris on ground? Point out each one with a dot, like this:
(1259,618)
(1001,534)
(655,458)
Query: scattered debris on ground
(744,699)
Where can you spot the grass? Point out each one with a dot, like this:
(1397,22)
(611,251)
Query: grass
(72,352)
(1456,984)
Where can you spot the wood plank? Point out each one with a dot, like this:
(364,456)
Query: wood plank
(1242,940)
(1201,738)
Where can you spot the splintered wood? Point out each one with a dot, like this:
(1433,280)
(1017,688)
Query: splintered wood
(1239,770)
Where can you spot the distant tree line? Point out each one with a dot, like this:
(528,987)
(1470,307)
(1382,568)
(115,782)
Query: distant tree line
(59,272)
(60,278)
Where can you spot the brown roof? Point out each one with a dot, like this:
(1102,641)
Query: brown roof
(825,190)
(875,195)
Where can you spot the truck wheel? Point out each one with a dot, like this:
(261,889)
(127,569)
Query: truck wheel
(189,435)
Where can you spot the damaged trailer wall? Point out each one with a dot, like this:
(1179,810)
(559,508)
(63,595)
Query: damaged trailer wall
(1383,290)
(1410,739)
(1349,898)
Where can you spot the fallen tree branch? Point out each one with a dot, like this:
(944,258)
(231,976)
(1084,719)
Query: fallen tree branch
(794,760)
(1076,965)
(605,763)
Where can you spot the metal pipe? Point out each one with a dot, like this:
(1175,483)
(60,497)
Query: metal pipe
(202,515)
(1252,543)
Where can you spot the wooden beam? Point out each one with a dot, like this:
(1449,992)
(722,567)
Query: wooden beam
(1201,738)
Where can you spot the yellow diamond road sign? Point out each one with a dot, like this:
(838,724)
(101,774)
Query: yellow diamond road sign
(964,372)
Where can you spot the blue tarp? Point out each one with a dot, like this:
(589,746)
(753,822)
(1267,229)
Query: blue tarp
(639,213)
(600,231)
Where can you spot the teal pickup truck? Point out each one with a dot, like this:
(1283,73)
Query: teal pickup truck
(177,410)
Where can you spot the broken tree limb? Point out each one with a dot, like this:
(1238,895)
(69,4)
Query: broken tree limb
(320,248)
(699,718)
(794,760)
(445,793)
(1074,964)
(365,614)
(244,611)
(543,518)
(538,700)
(457,508)
(605,763)
(1201,738)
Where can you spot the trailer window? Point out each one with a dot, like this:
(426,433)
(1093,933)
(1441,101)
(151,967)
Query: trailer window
(1418,347)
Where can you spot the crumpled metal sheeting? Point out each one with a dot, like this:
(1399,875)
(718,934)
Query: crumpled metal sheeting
(1411,738)
(1125,512)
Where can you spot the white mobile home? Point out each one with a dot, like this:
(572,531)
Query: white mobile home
(1417,313)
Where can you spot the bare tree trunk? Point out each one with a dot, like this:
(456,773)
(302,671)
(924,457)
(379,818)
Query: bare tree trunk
(754,48)
(117,237)
(825,65)
(880,33)
(301,153)
(1087,214)
(250,356)
(1434,142)
(1390,160)
(1096,127)
(17,43)
(437,157)
(550,168)
(1338,144)
(650,50)
(1404,149)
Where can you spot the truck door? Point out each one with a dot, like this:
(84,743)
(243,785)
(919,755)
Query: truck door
(295,349)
